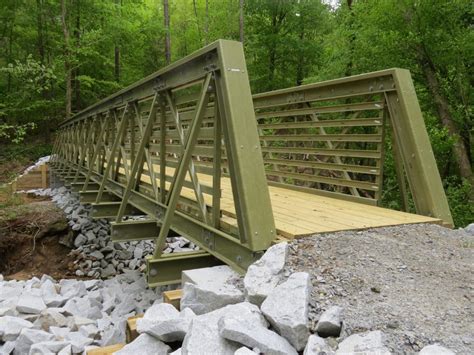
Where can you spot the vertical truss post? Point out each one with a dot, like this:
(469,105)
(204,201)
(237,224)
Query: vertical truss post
(415,149)
(248,180)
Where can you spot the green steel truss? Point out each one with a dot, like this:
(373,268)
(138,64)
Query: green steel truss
(164,146)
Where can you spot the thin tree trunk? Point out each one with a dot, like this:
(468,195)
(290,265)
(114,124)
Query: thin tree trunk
(76,73)
(197,21)
(442,106)
(117,48)
(67,59)
(39,18)
(206,24)
(167,32)
(352,38)
(241,20)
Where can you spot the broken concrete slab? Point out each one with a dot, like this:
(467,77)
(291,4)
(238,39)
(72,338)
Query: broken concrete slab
(287,309)
(330,322)
(242,329)
(203,335)
(10,327)
(145,344)
(369,342)
(316,346)
(265,274)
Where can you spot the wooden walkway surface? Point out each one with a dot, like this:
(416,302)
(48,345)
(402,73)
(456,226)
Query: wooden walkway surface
(298,214)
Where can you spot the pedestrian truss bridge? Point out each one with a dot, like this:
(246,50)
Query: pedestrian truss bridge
(194,151)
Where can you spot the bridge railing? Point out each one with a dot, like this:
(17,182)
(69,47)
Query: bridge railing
(155,148)
(329,138)
(191,149)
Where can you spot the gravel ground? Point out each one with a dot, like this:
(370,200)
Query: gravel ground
(414,283)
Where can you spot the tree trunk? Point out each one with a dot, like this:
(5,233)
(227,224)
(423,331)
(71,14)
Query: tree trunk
(241,20)
(167,32)
(117,48)
(76,73)
(67,59)
(442,106)
(206,24)
(39,18)
(197,21)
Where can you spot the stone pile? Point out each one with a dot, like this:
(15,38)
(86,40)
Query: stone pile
(267,313)
(43,316)
(96,254)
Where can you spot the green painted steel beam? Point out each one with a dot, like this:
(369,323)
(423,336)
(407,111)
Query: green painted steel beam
(167,269)
(110,210)
(134,230)
(91,196)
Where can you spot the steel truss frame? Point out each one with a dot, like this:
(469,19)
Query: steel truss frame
(137,151)
(90,154)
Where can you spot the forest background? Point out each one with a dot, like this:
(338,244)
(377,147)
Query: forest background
(60,56)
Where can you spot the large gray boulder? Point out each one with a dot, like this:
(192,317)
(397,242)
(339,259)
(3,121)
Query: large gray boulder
(330,322)
(254,334)
(10,327)
(244,351)
(436,349)
(287,309)
(364,343)
(265,274)
(203,336)
(28,337)
(317,346)
(144,344)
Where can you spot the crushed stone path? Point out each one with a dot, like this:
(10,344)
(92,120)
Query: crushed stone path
(413,282)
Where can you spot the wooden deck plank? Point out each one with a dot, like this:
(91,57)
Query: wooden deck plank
(299,214)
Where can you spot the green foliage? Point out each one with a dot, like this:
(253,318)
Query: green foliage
(287,42)
(461,201)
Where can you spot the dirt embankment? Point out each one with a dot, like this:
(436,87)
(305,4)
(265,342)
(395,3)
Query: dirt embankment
(415,283)
(30,235)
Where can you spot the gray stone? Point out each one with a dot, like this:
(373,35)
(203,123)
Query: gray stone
(59,333)
(138,253)
(7,348)
(176,352)
(72,288)
(29,337)
(317,346)
(108,271)
(436,349)
(144,344)
(170,330)
(67,350)
(249,332)
(244,351)
(364,343)
(31,304)
(287,309)
(10,327)
(265,274)
(78,341)
(112,336)
(80,240)
(469,229)
(97,255)
(47,347)
(203,335)
(89,331)
(50,318)
(330,322)
(219,274)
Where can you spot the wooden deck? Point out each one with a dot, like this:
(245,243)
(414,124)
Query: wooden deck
(298,214)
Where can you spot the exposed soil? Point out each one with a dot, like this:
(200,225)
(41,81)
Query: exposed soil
(415,283)
(29,241)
